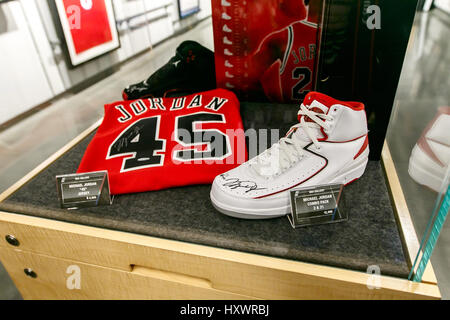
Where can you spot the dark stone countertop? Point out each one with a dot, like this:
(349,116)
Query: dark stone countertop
(369,237)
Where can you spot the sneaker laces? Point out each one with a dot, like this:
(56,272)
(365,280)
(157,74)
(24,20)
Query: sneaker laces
(289,149)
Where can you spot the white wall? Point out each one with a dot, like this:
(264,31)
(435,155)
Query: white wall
(161,29)
(43,45)
(205,6)
(205,11)
(34,68)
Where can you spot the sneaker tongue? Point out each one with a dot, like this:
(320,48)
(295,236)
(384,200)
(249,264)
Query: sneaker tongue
(319,97)
(314,103)
(317,107)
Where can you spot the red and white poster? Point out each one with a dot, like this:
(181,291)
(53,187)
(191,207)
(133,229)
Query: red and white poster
(89,28)
(266,49)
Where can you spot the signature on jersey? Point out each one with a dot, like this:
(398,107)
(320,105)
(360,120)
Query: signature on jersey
(235,183)
(128,138)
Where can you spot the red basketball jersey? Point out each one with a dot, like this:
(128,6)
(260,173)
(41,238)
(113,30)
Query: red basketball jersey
(290,77)
(151,144)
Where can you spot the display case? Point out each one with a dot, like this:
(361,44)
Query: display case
(172,244)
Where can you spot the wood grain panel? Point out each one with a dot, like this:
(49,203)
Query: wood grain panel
(99,282)
(231,271)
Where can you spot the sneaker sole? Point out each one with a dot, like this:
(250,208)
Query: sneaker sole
(268,213)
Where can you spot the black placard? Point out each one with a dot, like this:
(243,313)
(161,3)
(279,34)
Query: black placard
(317,205)
(83,190)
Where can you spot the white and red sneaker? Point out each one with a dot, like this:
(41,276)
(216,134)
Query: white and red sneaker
(430,156)
(328,145)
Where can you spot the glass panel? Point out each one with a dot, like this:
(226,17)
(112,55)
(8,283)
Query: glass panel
(434,229)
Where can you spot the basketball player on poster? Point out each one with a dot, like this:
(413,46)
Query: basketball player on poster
(283,64)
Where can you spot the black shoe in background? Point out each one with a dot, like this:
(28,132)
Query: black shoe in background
(191,70)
